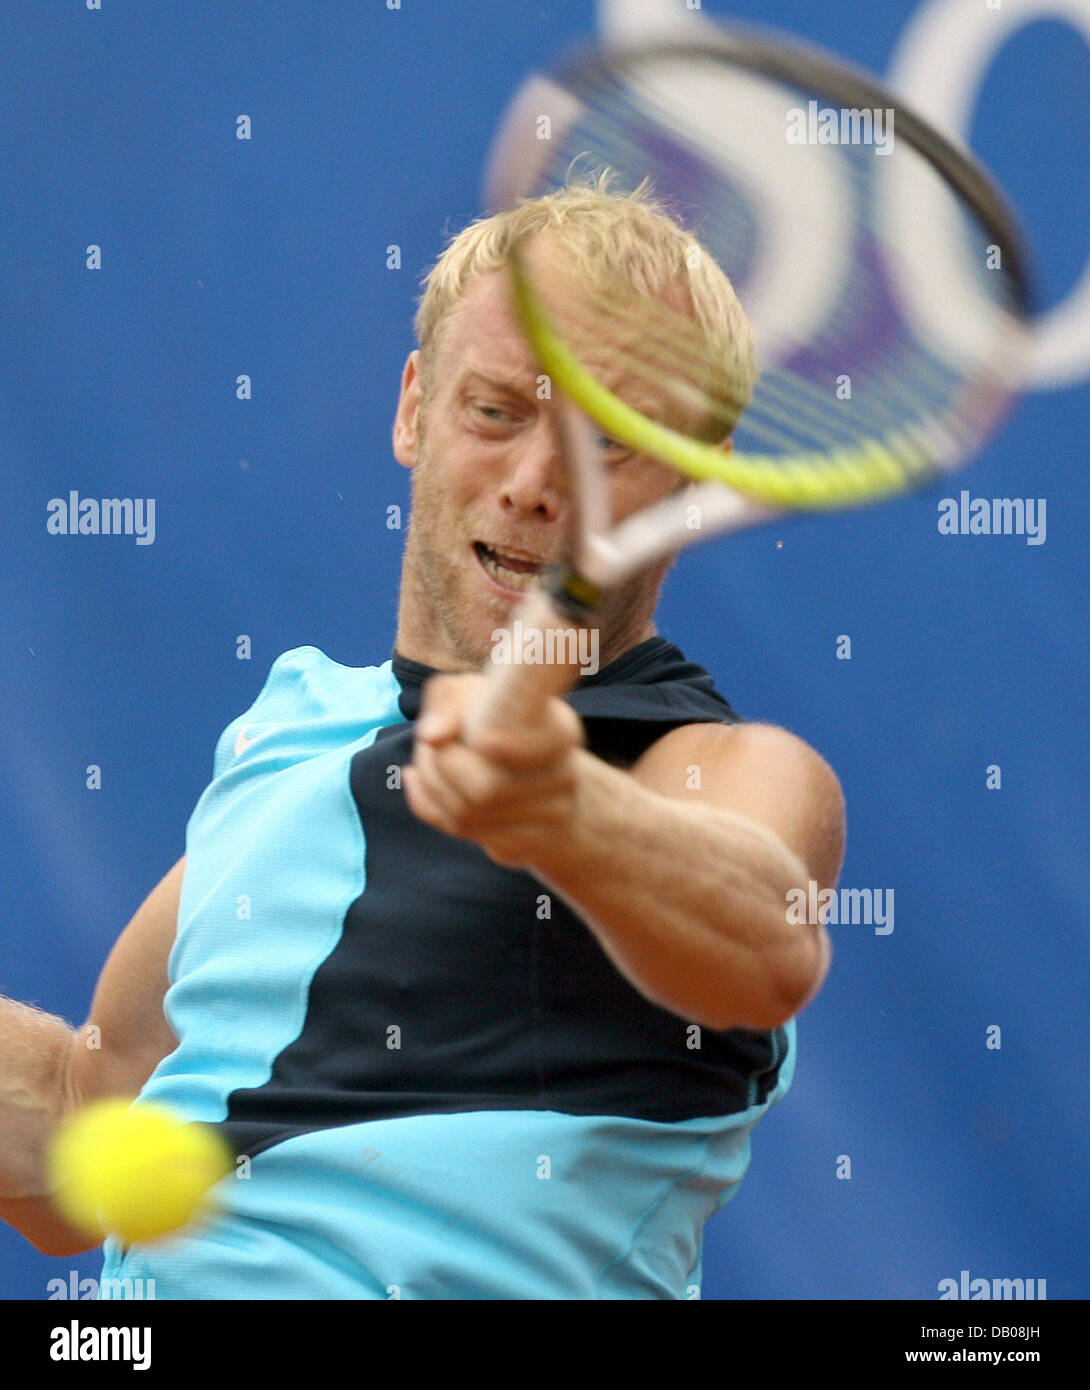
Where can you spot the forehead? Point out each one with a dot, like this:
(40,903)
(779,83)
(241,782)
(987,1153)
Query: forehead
(482,337)
(483,334)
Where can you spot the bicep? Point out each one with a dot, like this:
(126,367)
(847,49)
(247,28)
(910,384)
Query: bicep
(760,772)
(126,1034)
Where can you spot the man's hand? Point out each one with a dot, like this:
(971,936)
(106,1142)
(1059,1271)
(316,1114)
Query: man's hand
(512,791)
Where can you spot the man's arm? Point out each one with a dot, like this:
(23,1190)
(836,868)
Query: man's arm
(48,1069)
(683,867)
(684,884)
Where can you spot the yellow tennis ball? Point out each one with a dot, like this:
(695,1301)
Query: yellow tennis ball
(137,1172)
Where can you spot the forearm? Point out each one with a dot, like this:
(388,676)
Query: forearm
(688,900)
(35,1056)
(36,1052)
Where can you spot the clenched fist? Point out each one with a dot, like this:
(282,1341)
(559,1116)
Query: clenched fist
(512,792)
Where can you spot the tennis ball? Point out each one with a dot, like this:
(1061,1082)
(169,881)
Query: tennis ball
(137,1172)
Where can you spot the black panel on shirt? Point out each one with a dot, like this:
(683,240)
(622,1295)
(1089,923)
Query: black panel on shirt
(493,1005)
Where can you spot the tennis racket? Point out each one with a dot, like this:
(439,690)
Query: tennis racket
(879,265)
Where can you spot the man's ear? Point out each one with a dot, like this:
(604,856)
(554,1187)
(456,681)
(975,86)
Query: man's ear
(407,420)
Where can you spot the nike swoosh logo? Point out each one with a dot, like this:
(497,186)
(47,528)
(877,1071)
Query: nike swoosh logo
(241,740)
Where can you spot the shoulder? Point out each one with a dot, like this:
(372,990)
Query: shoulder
(762,772)
(304,687)
(756,747)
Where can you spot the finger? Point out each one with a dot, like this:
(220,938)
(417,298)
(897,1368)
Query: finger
(444,703)
(444,777)
(531,748)
(421,802)
(473,793)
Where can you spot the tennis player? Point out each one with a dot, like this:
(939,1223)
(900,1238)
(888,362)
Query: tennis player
(490,1021)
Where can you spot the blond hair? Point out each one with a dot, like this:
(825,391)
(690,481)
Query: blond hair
(606,238)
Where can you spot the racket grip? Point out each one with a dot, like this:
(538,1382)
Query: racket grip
(518,690)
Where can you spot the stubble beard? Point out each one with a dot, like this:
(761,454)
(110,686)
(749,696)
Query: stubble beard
(432,561)
(440,582)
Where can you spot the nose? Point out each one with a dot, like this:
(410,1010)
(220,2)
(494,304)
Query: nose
(537,482)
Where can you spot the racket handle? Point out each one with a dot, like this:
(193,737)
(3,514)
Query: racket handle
(518,691)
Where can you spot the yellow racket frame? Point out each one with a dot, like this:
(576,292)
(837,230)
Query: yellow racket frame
(810,481)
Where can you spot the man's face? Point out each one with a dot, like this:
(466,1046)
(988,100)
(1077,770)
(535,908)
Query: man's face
(490,499)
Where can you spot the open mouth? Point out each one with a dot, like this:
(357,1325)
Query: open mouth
(509,570)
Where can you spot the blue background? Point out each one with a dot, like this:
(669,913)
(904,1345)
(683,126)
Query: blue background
(268,257)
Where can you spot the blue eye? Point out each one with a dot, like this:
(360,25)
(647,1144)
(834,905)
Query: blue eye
(609,445)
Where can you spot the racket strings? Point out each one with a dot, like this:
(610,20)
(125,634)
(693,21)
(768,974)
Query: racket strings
(897,364)
(658,348)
